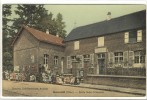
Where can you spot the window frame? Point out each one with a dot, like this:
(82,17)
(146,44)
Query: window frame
(46,57)
(137,36)
(73,58)
(56,58)
(86,57)
(139,57)
(118,56)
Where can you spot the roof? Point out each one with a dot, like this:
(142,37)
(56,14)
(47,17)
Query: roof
(119,24)
(41,36)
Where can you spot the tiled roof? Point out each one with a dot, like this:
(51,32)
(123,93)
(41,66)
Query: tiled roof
(120,24)
(41,36)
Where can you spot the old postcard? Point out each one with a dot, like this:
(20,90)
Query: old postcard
(90,50)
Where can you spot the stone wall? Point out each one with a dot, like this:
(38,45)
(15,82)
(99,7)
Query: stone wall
(51,50)
(121,81)
(112,43)
(25,51)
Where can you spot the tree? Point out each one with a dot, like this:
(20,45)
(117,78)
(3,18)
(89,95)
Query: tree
(37,16)
(60,26)
(29,15)
(7,50)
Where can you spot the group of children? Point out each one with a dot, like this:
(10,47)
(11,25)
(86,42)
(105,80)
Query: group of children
(59,79)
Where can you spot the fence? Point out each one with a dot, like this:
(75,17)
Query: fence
(124,71)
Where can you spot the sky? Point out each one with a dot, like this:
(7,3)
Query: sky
(80,15)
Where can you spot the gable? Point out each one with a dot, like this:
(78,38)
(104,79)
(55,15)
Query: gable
(25,41)
(40,36)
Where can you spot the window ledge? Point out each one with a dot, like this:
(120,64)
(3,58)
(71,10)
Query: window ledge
(133,42)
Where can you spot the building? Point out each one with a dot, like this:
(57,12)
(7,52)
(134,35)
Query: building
(106,45)
(108,49)
(35,51)
(109,52)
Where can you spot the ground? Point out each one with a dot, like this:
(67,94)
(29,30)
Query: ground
(14,88)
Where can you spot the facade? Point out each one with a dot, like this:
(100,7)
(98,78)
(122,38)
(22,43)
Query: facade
(35,51)
(111,47)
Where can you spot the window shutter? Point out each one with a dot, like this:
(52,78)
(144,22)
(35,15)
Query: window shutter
(131,58)
(92,59)
(76,45)
(139,35)
(100,41)
(69,62)
(126,37)
(125,57)
(111,59)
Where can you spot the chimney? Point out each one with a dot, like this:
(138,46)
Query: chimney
(47,31)
(109,16)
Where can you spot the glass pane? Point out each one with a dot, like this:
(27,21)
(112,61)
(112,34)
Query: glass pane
(103,55)
(142,59)
(121,58)
(137,59)
(121,54)
(116,54)
(99,55)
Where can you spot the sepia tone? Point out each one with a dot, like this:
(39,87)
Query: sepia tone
(106,57)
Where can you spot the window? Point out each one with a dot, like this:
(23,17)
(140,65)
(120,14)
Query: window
(86,57)
(118,57)
(80,60)
(76,45)
(73,58)
(133,36)
(46,59)
(55,60)
(139,56)
(100,41)
(101,56)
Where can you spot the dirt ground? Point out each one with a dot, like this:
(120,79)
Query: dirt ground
(32,89)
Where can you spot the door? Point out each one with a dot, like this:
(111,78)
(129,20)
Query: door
(101,63)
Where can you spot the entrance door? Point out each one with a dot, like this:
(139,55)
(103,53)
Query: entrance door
(101,63)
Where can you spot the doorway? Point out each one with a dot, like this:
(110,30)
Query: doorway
(101,63)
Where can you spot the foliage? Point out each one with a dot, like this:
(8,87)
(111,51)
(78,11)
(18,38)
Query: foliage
(37,16)
(60,26)
(7,49)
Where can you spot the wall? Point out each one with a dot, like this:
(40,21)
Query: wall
(113,43)
(127,82)
(24,48)
(51,50)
